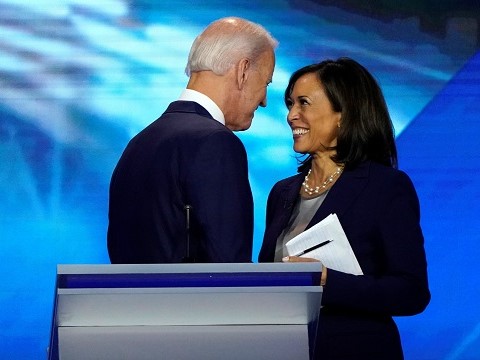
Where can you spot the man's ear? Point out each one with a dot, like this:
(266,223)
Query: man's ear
(243,68)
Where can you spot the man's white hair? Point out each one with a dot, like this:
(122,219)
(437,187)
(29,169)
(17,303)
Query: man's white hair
(224,42)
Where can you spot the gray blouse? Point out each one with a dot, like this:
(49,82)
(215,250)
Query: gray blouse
(301,216)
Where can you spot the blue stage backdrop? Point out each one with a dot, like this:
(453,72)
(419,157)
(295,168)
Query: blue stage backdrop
(79,78)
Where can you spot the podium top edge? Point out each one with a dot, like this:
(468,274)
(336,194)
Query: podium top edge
(314,267)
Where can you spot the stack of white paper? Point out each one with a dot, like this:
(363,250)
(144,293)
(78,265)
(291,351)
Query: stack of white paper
(336,254)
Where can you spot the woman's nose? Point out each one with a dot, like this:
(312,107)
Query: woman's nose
(292,114)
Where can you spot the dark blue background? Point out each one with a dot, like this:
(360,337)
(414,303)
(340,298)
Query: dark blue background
(78,79)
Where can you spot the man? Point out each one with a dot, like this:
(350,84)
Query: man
(187,168)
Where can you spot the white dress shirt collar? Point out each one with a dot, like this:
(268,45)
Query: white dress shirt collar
(205,101)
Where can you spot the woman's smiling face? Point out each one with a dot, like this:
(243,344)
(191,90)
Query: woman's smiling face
(311,117)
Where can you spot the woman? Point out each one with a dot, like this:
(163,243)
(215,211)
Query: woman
(339,118)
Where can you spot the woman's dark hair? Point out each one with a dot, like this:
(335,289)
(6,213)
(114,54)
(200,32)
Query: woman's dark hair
(366,131)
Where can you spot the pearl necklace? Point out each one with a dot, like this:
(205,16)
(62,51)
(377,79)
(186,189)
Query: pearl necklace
(310,190)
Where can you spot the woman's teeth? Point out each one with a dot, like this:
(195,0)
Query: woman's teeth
(300,131)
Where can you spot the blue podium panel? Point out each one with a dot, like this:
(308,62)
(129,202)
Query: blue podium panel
(103,308)
(187,275)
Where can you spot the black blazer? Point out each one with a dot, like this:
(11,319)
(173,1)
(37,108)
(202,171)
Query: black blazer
(379,212)
(185,157)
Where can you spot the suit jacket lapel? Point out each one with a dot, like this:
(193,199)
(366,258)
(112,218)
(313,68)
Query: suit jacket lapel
(283,209)
(343,193)
(341,196)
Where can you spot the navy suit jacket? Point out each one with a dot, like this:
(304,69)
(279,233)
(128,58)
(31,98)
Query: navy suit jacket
(185,157)
(380,214)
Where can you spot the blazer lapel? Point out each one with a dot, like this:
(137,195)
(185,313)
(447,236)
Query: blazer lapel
(288,197)
(343,193)
(340,198)
(282,210)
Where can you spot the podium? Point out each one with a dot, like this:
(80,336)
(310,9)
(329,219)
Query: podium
(185,311)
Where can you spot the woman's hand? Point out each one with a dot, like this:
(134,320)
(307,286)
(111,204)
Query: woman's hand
(298,259)
(323,279)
